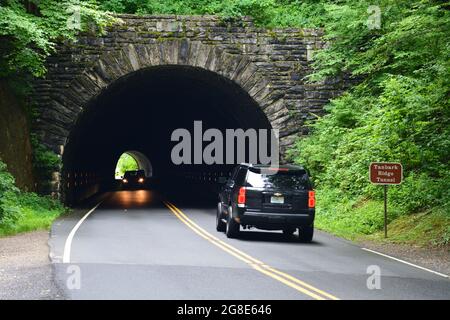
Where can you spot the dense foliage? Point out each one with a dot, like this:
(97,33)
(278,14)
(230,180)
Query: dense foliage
(269,13)
(399,112)
(23,211)
(30,29)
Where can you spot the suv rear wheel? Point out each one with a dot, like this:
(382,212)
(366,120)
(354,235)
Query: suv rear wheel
(306,233)
(232,229)
(220,225)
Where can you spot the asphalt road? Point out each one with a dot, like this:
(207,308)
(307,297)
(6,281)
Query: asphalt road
(137,246)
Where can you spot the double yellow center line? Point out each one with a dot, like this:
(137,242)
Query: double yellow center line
(254,263)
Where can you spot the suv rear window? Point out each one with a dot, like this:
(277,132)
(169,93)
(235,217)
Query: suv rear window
(296,180)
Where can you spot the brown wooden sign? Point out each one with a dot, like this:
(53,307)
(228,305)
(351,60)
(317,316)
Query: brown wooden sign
(386,173)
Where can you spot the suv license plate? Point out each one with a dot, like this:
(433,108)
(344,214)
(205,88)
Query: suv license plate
(276,199)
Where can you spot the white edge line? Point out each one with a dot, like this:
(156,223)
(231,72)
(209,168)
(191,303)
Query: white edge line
(68,244)
(406,262)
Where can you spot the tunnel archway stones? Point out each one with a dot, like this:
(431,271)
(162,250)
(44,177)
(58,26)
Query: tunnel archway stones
(233,67)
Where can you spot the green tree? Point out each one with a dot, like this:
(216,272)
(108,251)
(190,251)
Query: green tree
(126,163)
(399,111)
(29,31)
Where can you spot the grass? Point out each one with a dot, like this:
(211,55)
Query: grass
(29,212)
(363,219)
(430,228)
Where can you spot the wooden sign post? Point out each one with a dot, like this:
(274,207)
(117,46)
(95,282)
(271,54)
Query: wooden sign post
(385,173)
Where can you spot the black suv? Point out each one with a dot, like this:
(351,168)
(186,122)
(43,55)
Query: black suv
(270,198)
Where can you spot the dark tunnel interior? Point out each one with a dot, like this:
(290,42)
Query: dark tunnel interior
(139,112)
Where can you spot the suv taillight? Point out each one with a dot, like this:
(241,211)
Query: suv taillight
(241,196)
(311,199)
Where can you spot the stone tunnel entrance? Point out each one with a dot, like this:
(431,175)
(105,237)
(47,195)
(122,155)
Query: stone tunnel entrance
(140,111)
(129,88)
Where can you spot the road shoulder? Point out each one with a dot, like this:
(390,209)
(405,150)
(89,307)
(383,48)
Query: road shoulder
(436,259)
(25,268)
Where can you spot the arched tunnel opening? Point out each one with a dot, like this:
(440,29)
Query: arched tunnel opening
(138,113)
(133,160)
